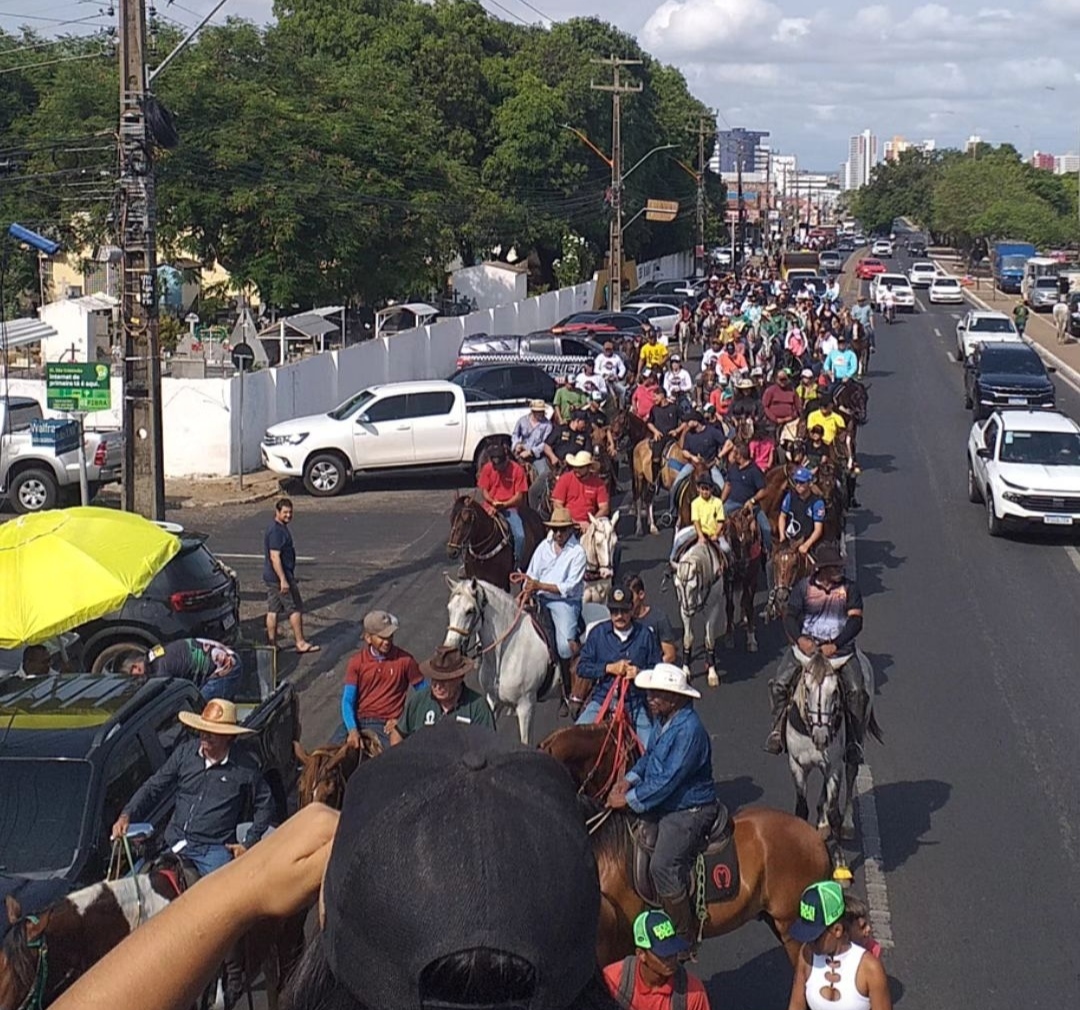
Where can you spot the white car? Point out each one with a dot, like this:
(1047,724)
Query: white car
(979,327)
(922,274)
(663,317)
(1025,466)
(903,295)
(946,291)
(882,247)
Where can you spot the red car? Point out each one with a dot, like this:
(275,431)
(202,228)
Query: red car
(868,267)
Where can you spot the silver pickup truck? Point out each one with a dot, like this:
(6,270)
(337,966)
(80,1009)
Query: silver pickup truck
(35,475)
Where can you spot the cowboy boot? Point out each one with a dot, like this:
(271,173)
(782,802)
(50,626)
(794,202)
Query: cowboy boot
(232,986)
(680,910)
(856,703)
(778,698)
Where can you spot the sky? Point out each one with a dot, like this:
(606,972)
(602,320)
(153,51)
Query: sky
(812,75)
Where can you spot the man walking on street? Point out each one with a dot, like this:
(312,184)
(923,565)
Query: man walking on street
(279,574)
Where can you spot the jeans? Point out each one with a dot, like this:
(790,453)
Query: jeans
(376,726)
(223,687)
(541,465)
(640,715)
(680,837)
(206,858)
(685,472)
(566,616)
(762,521)
(517,531)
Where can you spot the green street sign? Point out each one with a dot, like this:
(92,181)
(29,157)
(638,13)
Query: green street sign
(76,387)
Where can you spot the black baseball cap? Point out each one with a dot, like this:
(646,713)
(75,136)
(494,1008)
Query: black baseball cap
(460,839)
(620,599)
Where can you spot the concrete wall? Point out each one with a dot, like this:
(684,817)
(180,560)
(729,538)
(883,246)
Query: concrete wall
(491,284)
(667,268)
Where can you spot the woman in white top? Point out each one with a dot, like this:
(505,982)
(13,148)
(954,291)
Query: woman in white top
(833,972)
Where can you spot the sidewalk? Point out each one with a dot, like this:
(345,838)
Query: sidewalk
(204,492)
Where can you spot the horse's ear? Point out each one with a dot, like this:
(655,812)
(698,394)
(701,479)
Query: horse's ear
(615,519)
(301,755)
(450,581)
(339,755)
(36,925)
(14,909)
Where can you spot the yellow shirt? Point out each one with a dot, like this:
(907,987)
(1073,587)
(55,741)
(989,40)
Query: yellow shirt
(653,355)
(708,514)
(829,425)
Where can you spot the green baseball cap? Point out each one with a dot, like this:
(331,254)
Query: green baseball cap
(655,931)
(821,906)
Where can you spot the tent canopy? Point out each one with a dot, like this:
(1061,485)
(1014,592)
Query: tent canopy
(20,332)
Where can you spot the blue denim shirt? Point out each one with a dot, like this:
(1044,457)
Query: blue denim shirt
(675,772)
(532,436)
(603,646)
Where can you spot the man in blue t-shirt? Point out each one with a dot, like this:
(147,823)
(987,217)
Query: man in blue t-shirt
(745,487)
(802,513)
(279,575)
(842,363)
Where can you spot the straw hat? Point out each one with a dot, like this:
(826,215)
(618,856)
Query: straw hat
(560,518)
(219,718)
(666,677)
(583,458)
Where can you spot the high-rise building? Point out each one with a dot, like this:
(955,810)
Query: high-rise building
(1043,160)
(1065,163)
(733,146)
(862,157)
(892,149)
(972,143)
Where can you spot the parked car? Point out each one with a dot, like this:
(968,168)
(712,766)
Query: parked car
(980,326)
(556,354)
(922,274)
(194,596)
(76,747)
(39,460)
(945,291)
(394,426)
(869,267)
(663,317)
(831,261)
(505,382)
(903,294)
(639,298)
(597,323)
(1025,467)
(1042,293)
(1006,375)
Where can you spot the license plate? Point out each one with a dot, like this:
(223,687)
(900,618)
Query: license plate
(1017,401)
(229,620)
(1058,520)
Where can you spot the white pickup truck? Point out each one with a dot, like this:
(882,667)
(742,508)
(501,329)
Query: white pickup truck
(389,427)
(35,475)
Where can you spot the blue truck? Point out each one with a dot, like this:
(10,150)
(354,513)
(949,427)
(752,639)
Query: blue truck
(1008,259)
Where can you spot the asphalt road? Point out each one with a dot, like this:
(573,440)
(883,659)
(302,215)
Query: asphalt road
(972,639)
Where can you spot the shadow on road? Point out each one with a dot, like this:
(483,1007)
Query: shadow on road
(738,792)
(763,981)
(874,557)
(882,662)
(881,462)
(905,811)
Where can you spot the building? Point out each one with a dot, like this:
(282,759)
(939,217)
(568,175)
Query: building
(1043,160)
(862,157)
(1066,163)
(735,146)
(972,143)
(892,149)
(782,169)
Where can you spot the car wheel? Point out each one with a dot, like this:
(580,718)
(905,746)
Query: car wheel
(994,526)
(974,494)
(111,659)
(325,475)
(34,491)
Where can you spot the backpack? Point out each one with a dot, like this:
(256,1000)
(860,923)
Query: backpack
(625,995)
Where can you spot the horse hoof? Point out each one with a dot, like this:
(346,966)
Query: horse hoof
(751,645)
(842,875)
(654,531)
(713,678)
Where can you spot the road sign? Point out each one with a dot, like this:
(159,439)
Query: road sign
(661,210)
(77,387)
(243,356)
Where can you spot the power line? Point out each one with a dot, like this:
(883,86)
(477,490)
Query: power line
(526,3)
(507,10)
(63,40)
(51,63)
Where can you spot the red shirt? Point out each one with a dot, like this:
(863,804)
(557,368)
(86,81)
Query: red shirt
(647,998)
(503,484)
(381,684)
(581,495)
(643,400)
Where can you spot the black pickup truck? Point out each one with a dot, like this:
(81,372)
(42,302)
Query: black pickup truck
(75,747)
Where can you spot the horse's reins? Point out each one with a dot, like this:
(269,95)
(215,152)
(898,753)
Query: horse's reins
(467,633)
(35,998)
(618,726)
(497,534)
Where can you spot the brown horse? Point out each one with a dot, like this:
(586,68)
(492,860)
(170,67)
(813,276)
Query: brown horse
(779,856)
(789,567)
(743,573)
(326,769)
(486,542)
(646,480)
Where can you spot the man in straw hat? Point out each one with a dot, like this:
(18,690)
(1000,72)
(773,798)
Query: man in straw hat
(672,782)
(556,576)
(213,784)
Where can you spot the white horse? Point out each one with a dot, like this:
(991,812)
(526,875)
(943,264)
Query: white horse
(699,577)
(816,737)
(514,657)
(599,541)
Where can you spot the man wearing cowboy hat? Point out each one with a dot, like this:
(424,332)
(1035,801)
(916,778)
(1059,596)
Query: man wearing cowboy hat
(556,576)
(216,787)
(445,696)
(672,782)
(746,403)
(530,434)
(863,314)
(580,491)
(824,614)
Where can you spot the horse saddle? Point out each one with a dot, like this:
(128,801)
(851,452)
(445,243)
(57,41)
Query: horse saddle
(717,864)
(180,872)
(545,627)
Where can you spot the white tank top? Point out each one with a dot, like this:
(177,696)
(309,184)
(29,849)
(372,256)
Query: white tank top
(839,976)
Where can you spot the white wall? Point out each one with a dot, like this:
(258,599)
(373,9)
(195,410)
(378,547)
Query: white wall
(490,285)
(667,268)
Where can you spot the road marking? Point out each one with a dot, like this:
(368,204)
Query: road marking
(950,355)
(937,330)
(918,301)
(1074,556)
(255,557)
(877,889)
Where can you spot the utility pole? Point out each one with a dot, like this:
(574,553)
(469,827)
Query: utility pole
(699,253)
(615,253)
(741,230)
(144,466)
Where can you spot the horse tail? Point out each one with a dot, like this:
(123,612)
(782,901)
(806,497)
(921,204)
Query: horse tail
(874,729)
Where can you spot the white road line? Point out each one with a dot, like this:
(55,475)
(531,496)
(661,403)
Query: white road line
(918,301)
(877,889)
(950,356)
(255,557)
(937,330)
(1074,556)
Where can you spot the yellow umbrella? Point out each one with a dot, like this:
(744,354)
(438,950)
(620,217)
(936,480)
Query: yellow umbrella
(62,568)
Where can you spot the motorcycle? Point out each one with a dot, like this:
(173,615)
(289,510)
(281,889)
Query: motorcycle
(890,314)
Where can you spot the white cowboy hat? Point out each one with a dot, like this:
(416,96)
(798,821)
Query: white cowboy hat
(219,718)
(537,405)
(666,677)
(583,458)
(744,384)
(560,518)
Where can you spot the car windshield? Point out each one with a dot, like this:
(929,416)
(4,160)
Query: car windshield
(1020,361)
(924,268)
(946,282)
(41,813)
(1041,448)
(893,279)
(988,324)
(352,405)
(1046,282)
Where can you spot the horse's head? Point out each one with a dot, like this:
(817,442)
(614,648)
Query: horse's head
(327,769)
(466,610)
(821,706)
(853,400)
(743,533)
(24,960)
(462,517)
(591,755)
(788,567)
(599,542)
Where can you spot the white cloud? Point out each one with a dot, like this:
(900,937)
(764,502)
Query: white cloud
(694,26)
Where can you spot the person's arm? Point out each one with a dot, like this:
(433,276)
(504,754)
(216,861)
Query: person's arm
(558,492)
(188,940)
(681,751)
(818,533)
(853,624)
(482,487)
(348,707)
(794,611)
(264,811)
(279,570)
(163,781)
(603,502)
(872,972)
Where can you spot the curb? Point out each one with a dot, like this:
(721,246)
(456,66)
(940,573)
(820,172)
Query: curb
(251,499)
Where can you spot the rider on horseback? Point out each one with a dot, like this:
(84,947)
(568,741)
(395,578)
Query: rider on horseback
(704,446)
(744,489)
(612,369)
(665,426)
(652,355)
(824,612)
(672,782)
(842,363)
(802,513)
(678,384)
(530,434)
(504,487)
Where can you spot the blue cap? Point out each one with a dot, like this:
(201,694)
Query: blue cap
(802,476)
(656,932)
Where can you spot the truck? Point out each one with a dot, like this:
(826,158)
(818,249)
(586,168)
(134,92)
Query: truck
(75,748)
(399,425)
(1008,260)
(39,461)
(804,262)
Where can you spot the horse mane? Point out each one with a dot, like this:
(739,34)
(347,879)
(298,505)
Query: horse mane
(19,954)
(611,841)
(818,668)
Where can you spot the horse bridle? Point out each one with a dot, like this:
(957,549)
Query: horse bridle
(467,633)
(819,717)
(35,998)
(498,535)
